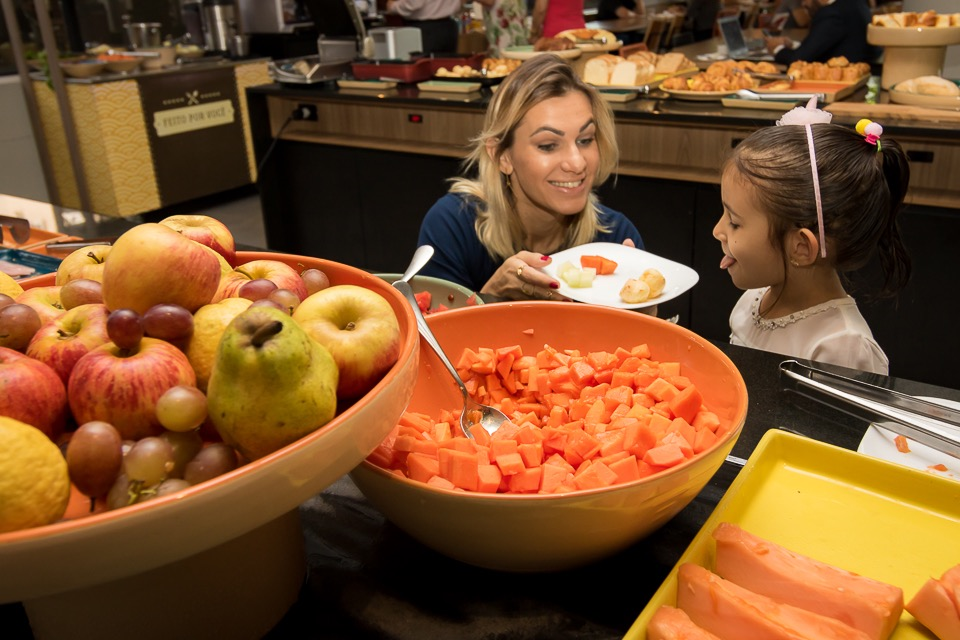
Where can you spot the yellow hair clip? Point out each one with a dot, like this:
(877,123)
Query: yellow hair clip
(871,131)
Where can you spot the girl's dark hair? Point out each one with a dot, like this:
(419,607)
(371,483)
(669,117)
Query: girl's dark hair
(862,191)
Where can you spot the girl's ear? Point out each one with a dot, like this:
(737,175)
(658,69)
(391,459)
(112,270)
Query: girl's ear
(803,247)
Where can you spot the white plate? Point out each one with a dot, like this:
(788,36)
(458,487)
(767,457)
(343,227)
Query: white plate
(630,264)
(879,443)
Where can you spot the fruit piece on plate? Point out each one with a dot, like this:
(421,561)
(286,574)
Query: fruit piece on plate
(575,276)
(603,266)
(654,280)
(670,623)
(635,291)
(769,569)
(937,605)
(730,611)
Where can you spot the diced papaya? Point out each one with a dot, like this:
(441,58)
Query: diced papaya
(733,613)
(767,568)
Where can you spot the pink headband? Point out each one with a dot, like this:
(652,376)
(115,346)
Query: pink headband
(807,116)
(816,189)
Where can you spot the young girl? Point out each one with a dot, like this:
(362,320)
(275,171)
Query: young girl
(804,202)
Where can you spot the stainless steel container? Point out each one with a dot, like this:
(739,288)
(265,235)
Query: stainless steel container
(143,34)
(219,24)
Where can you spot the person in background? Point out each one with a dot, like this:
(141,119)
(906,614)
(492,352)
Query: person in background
(837,28)
(803,203)
(548,139)
(633,10)
(505,23)
(438,21)
(550,17)
(621,10)
(701,17)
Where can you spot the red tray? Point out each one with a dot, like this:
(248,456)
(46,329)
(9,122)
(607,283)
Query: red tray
(414,71)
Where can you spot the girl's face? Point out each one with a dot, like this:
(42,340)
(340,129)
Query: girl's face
(554,157)
(744,234)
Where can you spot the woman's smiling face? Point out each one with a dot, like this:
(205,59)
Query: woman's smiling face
(554,157)
(743,230)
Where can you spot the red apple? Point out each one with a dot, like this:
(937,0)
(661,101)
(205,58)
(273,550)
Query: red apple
(359,328)
(62,341)
(44,300)
(151,263)
(207,231)
(280,273)
(85,262)
(32,392)
(122,386)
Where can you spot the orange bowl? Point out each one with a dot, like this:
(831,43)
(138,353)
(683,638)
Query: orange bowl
(80,554)
(546,532)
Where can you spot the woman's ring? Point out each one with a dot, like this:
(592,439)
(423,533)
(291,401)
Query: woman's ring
(520,271)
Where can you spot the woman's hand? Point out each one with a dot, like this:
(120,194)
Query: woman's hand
(520,278)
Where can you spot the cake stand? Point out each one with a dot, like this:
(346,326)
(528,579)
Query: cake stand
(911,52)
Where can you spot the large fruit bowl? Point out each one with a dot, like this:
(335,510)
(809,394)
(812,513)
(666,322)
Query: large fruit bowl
(174,560)
(546,532)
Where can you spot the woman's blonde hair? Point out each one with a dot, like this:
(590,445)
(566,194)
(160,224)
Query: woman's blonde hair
(537,79)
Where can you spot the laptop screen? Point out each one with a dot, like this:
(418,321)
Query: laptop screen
(732,33)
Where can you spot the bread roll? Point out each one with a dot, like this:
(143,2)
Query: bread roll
(929,86)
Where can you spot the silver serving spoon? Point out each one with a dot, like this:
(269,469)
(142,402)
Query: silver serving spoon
(420,259)
(473,411)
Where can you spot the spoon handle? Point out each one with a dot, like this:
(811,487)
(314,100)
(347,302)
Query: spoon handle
(425,332)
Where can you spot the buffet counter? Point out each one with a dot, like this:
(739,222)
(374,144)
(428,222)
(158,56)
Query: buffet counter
(150,139)
(353,184)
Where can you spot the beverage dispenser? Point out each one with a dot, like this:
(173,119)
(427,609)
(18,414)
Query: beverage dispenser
(219,24)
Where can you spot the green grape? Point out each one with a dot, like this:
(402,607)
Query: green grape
(149,461)
(185,445)
(182,408)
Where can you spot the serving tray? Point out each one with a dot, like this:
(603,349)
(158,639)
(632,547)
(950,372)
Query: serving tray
(866,515)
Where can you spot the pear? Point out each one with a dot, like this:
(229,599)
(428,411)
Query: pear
(270,383)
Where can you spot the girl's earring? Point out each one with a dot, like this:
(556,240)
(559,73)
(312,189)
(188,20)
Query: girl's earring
(506,179)
(795,263)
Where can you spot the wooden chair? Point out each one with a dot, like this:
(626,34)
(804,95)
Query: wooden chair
(659,32)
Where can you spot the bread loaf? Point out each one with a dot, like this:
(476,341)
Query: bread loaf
(929,86)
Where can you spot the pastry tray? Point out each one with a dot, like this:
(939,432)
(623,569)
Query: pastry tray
(869,516)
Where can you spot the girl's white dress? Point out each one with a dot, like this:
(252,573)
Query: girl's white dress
(833,332)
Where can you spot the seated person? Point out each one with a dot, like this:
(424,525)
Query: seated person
(837,28)
(548,140)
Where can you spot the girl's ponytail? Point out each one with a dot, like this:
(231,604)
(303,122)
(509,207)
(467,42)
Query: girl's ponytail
(894,259)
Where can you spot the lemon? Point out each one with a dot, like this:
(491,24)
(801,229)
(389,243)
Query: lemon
(34,482)
(9,286)
(209,323)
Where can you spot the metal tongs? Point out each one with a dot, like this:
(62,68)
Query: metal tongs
(747,94)
(930,424)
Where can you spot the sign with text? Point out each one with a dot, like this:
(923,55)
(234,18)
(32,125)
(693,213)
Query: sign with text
(195,129)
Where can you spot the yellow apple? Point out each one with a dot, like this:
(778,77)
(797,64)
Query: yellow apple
(85,262)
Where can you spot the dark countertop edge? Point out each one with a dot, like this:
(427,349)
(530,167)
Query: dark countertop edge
(643,109)
(188,67)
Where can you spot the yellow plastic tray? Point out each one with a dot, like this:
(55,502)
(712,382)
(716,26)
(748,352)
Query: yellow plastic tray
(865,515)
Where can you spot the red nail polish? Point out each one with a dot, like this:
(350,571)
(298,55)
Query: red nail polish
(545,258)
(554,285)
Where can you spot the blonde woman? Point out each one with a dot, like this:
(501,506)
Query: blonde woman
(548,140)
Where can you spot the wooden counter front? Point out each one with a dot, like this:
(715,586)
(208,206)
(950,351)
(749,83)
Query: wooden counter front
(130,163)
